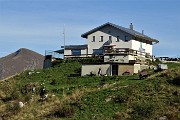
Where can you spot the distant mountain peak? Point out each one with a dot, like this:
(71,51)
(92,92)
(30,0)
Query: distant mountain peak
(17,52)
(22,59)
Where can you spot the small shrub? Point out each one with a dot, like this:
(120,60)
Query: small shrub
(78,70)
(120,116)
(115,78)
(173,115)
(15,95)
(7,98)
(103,81)
(58,90)
(29,88)
(54,82)
(27,97)
(176,81)
(121,98)
(64,111)
(157,61)
(2,94)
(143,109)
(175,100)
(12,108)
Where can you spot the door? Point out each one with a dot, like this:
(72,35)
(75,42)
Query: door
(114,69)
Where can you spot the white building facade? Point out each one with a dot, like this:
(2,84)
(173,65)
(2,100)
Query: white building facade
(114,43)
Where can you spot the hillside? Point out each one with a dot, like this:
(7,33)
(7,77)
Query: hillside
(22,59)
(95,97)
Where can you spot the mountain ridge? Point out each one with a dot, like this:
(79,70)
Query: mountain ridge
(19,61)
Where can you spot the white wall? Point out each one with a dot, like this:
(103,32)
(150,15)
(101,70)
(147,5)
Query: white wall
(147,47)
(137,68)
(86,69)
(106,69)
(106,32)
(84,51)
(69,52)
(114,32)
(111,31)
(131,57)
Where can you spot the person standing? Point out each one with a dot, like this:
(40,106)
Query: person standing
(99,72)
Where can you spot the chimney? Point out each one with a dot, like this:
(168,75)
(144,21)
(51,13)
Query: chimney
(131,26)
(142,32)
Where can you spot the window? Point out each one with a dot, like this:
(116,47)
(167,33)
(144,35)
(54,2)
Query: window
(97,51)
(140,44)
(111,57)
(76,52)
(117,39)
(126,38)
(94,38)
(101,39)
(110,39)
(141,47)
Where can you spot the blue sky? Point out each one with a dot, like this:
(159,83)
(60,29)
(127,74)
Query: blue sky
(38,24)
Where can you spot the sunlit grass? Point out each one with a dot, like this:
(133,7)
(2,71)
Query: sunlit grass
(96,97)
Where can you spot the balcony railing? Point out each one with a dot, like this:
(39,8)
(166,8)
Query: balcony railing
(126,51)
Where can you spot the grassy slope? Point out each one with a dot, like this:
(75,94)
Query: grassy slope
(94,97)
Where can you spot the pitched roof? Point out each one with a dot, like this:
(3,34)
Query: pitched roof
(127,30)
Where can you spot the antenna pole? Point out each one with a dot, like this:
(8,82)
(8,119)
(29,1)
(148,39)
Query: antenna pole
(64,39)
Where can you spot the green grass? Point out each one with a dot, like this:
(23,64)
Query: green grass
(173,65)
(96,97)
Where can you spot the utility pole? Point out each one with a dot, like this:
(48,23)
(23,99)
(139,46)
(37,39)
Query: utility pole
(64,38)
